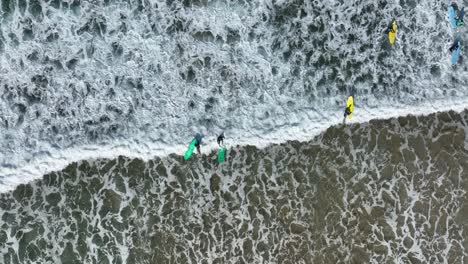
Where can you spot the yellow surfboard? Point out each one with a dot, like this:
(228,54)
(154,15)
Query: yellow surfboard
(392,33)
(350,104)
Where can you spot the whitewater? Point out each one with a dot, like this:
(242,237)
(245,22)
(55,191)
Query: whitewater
(84,80)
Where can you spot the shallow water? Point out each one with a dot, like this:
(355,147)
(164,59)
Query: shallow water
(387,191)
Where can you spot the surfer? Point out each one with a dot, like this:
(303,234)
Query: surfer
(460,16)
(392,28)
(195,143)
(454,15)
(349,107)
(220,139)
(222,148)
(455,50)
(455,46)
(346,113)
(198,141)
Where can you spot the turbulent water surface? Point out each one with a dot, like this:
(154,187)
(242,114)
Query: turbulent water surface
(392,191)
(80,80)
(143,73)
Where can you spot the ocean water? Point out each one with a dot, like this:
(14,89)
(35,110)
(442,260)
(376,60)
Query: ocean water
(99,99)
(387,191)
(87,79)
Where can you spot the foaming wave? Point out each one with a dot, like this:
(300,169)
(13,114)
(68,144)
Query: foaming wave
(78,74)
(44,163)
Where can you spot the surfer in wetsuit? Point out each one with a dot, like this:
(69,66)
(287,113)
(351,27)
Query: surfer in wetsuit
(390,27)
(460,16)
(198,138)
(346,113)
(220,139)
(455,46)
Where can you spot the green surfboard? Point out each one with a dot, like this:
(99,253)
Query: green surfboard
(190,149)
(221,154)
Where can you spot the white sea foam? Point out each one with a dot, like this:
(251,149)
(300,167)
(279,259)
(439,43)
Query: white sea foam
(118,79)
(57,160)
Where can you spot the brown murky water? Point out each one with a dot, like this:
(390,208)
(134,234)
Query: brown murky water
(388,191)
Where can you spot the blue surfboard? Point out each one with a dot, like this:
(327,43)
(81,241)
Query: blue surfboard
(456,53)
(452,14)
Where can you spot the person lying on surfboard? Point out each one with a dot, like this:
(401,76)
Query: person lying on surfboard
(454,6)
(390,27)
(198,137)
(455,46)
(220,139)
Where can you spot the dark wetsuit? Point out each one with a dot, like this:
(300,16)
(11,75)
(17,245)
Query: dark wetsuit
(347,112)
(198,139)
(454,46)
(460,16)
(220,139)
(390,27)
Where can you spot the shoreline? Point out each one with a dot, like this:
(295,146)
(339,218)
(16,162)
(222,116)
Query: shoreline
(381,190)
(12,177)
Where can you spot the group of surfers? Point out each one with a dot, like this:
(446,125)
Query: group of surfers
(456,19)
(455,16)
(197,141)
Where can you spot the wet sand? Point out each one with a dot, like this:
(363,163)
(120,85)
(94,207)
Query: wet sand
(387,191)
